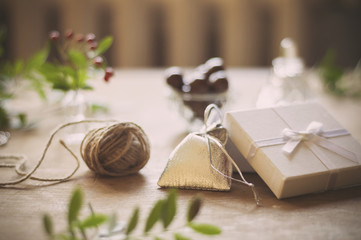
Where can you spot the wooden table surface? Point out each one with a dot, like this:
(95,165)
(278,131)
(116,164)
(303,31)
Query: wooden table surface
(139,95)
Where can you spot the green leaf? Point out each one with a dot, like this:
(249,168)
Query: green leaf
(48,225)
(38,83)
(133,221)
(37,59)
(77,58)
(154,215)
(86,87)
(206,229)
(104,44)
(18,67)
(193,208)
(330,72)
(82,76)
(94,108)
(4,119)
(178,236)
(69,71)
(75,204)
(7,70)
(64,236)
(169,208)
(62,85)
(55,75)
(22,119)
(93,220)
(4,96)
(48,69)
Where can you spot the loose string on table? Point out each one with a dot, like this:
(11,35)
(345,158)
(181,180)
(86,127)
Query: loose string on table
(22,159)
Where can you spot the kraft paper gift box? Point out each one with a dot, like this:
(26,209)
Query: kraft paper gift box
(296,149)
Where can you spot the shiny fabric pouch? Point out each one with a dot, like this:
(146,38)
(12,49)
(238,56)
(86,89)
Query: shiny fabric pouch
(198,162)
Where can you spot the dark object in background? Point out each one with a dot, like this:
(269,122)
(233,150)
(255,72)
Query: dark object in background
(218,81)
(204,85)
(174,77)
(213,65)
(198,83)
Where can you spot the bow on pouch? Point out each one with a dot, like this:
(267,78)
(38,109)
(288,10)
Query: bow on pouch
(315,135)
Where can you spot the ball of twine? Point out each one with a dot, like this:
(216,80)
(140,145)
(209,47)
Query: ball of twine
(116,150)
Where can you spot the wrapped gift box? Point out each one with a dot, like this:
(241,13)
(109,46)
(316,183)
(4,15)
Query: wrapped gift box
(296,149)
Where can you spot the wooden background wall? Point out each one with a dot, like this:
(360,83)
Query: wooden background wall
(152,33)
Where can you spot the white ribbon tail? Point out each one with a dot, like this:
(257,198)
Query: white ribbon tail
(323,142)
(290,146)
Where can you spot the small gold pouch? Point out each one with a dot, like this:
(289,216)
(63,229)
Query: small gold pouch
(199,162)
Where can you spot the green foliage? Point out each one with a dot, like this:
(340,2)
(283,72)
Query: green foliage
(93,221)
(133,221)
(69,61)
(75,204)
(48,225)
(164,211)
(37,60)
(207,229)
(330,72)
(10,73)
(77,58)
(169,208)
(154,215)
(4,119)
(77,228)
(95,108)
(193,208)
(62,65)
(337,80)
(178,236)
(104,45)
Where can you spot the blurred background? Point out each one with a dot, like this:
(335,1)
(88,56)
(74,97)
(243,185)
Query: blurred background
(157,33)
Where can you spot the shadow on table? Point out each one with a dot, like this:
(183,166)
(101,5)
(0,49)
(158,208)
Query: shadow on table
(331,197)
(129,184)
(240,197)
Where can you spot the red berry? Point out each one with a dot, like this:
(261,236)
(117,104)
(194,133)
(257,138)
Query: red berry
(106,78)
(93,45)
(90,37)
(69,34)
(80,38)
(98,61)
(109,71)
(54,35)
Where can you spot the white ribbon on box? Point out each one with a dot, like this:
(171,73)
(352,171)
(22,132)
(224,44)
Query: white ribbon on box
(314,135)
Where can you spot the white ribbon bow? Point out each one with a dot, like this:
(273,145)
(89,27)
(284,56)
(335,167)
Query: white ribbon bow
(315,135)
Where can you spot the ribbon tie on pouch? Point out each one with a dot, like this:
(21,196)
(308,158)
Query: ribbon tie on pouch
(209,132)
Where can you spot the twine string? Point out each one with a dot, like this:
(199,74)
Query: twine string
(22,159)
(219,144)
(116,150)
